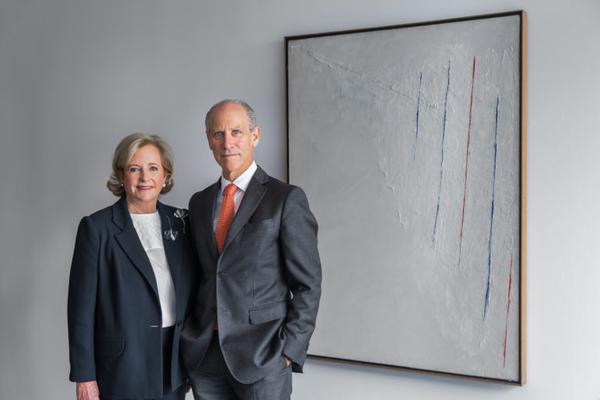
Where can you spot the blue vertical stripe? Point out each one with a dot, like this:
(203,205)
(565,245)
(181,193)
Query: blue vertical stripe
(437,209)
(417,118)
(489,277)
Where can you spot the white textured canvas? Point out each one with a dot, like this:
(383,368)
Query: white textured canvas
(407,143)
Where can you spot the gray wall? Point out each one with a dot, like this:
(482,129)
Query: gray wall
(76,76)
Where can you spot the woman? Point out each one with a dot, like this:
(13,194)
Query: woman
(131,278)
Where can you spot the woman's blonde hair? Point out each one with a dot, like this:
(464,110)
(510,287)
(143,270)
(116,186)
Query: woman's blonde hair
(125,151)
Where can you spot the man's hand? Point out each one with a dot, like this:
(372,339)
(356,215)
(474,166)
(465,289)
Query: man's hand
(87,391)
(288,362)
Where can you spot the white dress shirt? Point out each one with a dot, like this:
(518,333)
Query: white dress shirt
(148,228)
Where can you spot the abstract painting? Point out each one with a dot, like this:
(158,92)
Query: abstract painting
(409,142)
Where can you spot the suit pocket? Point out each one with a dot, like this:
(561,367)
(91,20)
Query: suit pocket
(109,346)
(268,312)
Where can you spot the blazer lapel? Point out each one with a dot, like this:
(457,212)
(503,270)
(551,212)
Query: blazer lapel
(130,243)
(254,194)
(168,222)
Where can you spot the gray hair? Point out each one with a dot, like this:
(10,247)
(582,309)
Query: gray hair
(125,151)
(249,111)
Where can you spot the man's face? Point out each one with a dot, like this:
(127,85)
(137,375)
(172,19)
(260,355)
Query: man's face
(231,140)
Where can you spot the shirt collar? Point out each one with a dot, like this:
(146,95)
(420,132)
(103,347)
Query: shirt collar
(243,180)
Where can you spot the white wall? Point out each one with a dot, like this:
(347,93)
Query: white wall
(77,75)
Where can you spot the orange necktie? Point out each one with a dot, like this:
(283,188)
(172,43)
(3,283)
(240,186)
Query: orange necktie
(225,216)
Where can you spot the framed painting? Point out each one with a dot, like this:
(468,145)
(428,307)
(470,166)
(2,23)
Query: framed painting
(409,141)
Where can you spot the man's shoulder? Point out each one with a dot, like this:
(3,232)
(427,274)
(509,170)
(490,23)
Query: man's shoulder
(202,198)
(275,183)
(205,192)
(284,188)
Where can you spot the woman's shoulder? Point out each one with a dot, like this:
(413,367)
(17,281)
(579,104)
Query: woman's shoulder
(97,216)
(101,217)
(104,213)
(94,224)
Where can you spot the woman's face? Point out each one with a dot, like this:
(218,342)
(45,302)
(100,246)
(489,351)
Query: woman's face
(143,179)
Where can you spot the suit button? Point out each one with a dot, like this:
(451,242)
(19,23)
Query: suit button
(219,275)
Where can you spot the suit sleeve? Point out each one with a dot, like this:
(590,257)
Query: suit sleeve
(81,303)
(298,240)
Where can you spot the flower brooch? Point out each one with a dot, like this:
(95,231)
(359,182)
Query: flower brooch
(171,234)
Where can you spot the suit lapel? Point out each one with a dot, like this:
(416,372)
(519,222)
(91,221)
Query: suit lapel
(254,194)
(205,211)
(130,243)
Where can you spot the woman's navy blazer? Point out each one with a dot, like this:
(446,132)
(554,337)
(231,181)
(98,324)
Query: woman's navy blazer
(114,311)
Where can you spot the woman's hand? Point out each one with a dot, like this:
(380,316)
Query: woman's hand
(87,391)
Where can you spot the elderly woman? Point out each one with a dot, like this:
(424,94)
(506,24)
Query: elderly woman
(131,278)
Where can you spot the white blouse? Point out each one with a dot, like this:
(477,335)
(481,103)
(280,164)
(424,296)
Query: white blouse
(148,229)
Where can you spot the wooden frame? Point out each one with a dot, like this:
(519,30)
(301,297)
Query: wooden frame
(340,84)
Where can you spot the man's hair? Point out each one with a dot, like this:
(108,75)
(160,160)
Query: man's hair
(249,112)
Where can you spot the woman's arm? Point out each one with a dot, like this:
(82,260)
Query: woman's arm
(82,303)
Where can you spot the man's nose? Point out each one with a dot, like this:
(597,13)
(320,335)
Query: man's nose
(227,140)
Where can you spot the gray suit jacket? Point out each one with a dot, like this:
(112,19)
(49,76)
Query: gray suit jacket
(264,288)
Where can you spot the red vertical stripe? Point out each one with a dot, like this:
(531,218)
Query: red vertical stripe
(507,312)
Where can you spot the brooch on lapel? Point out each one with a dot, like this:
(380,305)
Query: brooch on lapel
(181,214)
(171,234)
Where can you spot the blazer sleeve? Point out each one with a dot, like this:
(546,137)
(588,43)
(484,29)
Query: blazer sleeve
(300,255)
(81,303)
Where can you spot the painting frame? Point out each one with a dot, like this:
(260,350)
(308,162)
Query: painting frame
(520,377)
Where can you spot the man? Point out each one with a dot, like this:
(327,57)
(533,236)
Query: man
(260,283)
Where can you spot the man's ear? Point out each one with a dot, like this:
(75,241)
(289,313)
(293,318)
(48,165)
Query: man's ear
(255,134)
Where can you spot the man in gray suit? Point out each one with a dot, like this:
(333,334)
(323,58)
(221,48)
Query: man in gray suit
(260,283)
